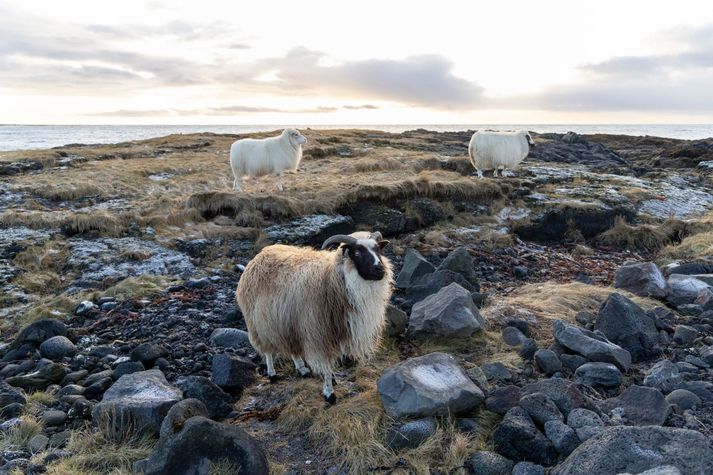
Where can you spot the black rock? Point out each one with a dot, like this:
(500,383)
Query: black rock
(540,408)
(563,393)
(562,436)
(411,434)
(517,438)
(627,325)
(528,350)
(547,362)
(641,278)
(502,399)
(599,374)
(202,440)
(461,262)
(57,347)
(179,414)
(218,403)
(626,449)
(484,462)
(414,266)
(232,372)
(431,283)
(39,331)
(148,353)
(127,367)
(642,406)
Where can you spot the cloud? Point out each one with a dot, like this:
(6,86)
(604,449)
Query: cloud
(93,60)
(675,81)
(424,80)
(223,111)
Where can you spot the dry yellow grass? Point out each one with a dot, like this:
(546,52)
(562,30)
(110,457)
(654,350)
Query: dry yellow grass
(549,301)
(19,435)
(693,247)
(642,237)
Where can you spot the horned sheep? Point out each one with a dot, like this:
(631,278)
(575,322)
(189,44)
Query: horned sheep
(495,150)
(317,306)
(259,157)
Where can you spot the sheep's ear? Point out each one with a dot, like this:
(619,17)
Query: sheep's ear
(383,244)
(347,249)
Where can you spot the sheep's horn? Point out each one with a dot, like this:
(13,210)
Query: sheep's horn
(338,239)
(376,236)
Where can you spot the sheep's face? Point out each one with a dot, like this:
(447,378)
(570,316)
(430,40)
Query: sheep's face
(530,142)
(365,254)
(295,137)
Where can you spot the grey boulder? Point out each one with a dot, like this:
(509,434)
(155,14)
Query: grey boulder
(685,289)
(201,445)
(217,401)
(232,372)
(563,393)
(590,345)
(641,278)
(57,347)
(396,321)
(179,414)
(664,376)
(484,462)
(540,408)
(448,313)
(461,262)
(517,438)
(140,399)
(414,266)
(430,385)
(636,449)
(627,325)
(229,338)
(411,434)
(599,374)
(642,406)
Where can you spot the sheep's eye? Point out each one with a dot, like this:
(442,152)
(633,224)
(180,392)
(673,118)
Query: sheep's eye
(357,253)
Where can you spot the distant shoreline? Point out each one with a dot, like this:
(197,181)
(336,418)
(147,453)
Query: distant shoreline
(34,137)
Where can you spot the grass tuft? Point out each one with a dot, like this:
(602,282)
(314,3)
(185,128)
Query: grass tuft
(19,436)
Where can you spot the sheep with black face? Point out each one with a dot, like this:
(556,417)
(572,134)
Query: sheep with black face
(317,306)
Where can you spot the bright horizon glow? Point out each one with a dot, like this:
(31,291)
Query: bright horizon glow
(384,63)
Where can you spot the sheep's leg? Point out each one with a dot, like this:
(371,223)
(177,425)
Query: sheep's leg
(328,390)
(495,172)
(271,373)
(480,173)
(278,182)
(236,184)
(300,366)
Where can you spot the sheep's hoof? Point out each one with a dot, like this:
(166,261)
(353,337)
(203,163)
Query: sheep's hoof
(273,378)
(304,374)
(331,399)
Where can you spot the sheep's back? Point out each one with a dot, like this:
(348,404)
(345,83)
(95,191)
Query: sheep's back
(489,150)
(290,298)
(259,157)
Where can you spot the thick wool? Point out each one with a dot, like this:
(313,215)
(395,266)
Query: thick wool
(259,157)
(313,305)
(494,150)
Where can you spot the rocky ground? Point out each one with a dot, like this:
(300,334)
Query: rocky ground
(559,321)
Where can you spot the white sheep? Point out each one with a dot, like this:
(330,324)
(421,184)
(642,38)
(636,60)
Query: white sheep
(494,150)
(317,305)
(259,157)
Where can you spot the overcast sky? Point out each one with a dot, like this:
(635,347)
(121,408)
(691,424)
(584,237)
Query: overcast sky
(365,62)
